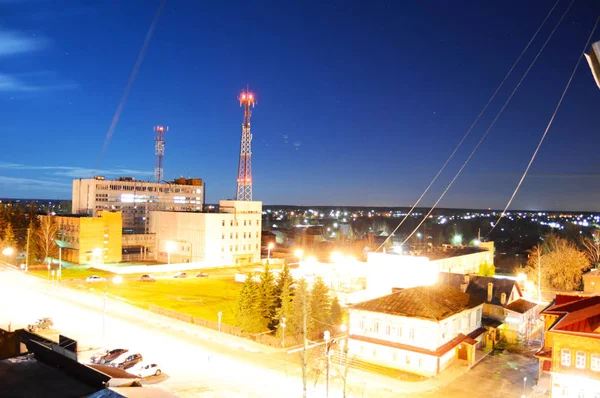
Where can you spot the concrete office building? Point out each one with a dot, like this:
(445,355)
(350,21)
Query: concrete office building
(230,237)
(136,199)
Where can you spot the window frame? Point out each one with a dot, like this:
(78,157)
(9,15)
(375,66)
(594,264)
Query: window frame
(565,357)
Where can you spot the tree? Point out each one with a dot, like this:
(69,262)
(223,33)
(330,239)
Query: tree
(335,312)
(249,317)
(320,307)
(285,276)
(286,308)
(301,293)
(486,269)
(267,297)
(562,264)
(591,247)
(9,237)
(44,237)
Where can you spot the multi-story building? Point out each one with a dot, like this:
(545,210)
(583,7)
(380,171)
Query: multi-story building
(570,356)
(421,330)
(135,199)
(89,240)
(229,237)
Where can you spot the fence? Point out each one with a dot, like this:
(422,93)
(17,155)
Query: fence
(274,341)
(225,328)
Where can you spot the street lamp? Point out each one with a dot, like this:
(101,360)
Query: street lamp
(269,247)
(457,239)
(299,253)
(116,280)
(8,251)
(524,383)
(282,324)
(170,246)
(337,257)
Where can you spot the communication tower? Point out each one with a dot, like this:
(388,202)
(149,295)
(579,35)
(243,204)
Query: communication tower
(244,180)
(160,152)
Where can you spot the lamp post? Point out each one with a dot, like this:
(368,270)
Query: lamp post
(220,314)
(524,383)
(327,337)
(116,280)
(170,246)
(282,324)
(8,251)
(269,247)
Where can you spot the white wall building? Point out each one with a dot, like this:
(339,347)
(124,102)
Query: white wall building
(135,199)
(230,237)
(421,330)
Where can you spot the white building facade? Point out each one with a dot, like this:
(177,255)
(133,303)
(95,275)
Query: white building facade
(135,199)
(230,237)
(420,330)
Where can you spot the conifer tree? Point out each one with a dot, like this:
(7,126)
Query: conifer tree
(249,317)
(319,310)
(285,310)
(295,323)
(9,237)
(266,297)
(335,313)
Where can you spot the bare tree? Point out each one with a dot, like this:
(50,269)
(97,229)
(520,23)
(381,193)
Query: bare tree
(45,236)
(591,247)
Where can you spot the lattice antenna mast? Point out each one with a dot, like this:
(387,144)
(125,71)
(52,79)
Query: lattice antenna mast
(244,181)
(160,152)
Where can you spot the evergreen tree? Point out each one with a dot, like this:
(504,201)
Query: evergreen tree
(295,323)
(285,310)
(319,310)
(335,313)
(9,237)
(267,297)
(284,276)
(249,315)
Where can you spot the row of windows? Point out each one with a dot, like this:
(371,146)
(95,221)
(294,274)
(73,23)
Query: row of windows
(249,235)
(408,359)
(231,223)
(580,359)
(388,329)
(111,187)
(231,247)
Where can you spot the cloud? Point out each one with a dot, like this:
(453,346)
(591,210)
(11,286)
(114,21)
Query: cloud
(14,43)
(12,83)
(20,183)
(77,172)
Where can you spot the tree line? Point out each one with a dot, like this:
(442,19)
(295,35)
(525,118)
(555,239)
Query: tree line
(263,305)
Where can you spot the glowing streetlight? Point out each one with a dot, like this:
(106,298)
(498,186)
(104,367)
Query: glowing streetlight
(457,239)
(299,253)
(269,247)
(9,251)
(337,257)
(343,328)
(170,246)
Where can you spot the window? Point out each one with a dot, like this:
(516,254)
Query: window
(223,223)
(222,250)
(257,246)
(388,329)
(580,360)
(222,236)
(249,222)
(231,223)
(407,360)
(565,357)
(374,353)
(361,325)
(478,314)
(395,356)
(420,362)
(595,365)
(376,327)
(412,333)
(231,235)
(236,248)
(244,235)
(236,235)
(230,248)
(257,234)
(399,331)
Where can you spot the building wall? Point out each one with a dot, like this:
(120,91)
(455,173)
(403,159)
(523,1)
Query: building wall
(135,199)
(388,271)
(466,264)
(424,334)
(591,283)
(227,238)
(570,378)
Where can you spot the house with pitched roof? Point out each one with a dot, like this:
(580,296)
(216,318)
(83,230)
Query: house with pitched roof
(421,330)
(570,356)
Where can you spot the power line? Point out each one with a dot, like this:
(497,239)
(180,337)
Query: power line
(134,72)
(472,125)
(493,122)
(547,128)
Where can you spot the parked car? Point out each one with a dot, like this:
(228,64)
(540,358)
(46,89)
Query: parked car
(43,323)
(201,275)
(105,357)
(127,361)
(180,275)
(146,370)
(95,278)
(147,278)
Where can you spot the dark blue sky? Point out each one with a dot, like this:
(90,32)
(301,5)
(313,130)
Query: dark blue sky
(359,102)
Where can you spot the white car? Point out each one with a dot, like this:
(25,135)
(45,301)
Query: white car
(146,370)
(95,278)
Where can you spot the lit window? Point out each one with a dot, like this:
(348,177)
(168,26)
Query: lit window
(244,235)
(388,329)
(222,250)
(408,360)
(236,235)
(580,360)
(361,325)
(565,357)
(249,222)
(257,234)
(223,223)
(231,235)
(376,327)
(595,365)
(244,223)
(222,236)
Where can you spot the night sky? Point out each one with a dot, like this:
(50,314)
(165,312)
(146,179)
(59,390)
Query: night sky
(358,102)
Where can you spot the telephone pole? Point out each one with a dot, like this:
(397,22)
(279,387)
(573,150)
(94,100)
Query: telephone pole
(305,341)
(27,255)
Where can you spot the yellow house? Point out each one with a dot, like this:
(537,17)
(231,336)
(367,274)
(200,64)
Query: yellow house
(89,240)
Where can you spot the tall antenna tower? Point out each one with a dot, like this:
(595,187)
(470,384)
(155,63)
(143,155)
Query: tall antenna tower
(244,181)
(160,152)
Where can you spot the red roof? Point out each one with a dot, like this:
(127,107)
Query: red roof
(580,315)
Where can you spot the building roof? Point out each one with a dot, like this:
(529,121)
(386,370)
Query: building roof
(425,302)
(478,287)
(521,306)
(450,252)
(580,316)
(595,273)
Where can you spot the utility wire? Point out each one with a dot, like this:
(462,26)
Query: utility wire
(547,129)
(132,76)
(472,125)
(493,122)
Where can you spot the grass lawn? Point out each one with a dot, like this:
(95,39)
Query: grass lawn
(71,272)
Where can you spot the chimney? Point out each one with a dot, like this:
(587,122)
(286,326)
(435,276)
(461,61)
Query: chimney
(503,298)
(490,291)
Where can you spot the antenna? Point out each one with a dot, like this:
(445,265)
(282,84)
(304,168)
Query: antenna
(244,180)
(160,152)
